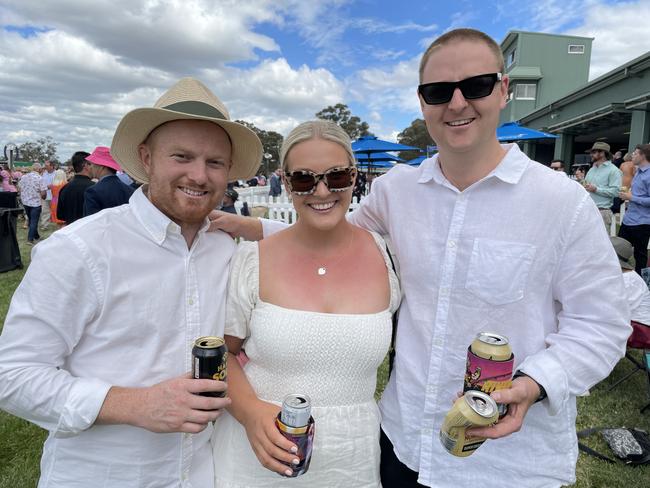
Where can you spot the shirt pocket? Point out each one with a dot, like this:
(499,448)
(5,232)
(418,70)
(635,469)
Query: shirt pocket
(498,270)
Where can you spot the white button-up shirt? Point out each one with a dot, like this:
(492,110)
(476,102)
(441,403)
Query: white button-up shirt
(522,253)
(116,298)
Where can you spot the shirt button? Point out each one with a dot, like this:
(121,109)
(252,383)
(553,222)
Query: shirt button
(444,291)
(191,301)
(452,243)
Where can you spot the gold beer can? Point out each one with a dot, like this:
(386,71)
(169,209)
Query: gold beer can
(473,409)
(494,347)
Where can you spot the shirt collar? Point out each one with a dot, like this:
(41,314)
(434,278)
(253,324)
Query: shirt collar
(509,170)
(156,223)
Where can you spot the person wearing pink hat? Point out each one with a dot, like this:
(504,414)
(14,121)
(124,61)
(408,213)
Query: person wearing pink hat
(109,191)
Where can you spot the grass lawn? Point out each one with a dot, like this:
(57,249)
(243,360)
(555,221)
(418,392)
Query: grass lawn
(21,442)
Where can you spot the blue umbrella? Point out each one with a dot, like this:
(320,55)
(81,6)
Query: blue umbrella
(370,144)
(417,161)
(512,131)
(374,157)
(375,165)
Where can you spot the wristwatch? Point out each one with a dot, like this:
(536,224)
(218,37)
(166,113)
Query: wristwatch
(542,391)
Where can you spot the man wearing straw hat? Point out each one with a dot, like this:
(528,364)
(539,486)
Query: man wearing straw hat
(104,366)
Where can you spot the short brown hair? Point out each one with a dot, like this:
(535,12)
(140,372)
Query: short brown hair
(463,34)
(645,150)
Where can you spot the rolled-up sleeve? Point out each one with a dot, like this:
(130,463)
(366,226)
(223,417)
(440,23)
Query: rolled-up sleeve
(594,318)
(270,227)
(372,213)
(47,317)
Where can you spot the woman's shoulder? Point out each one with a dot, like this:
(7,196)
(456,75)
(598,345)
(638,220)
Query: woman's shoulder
(374,237)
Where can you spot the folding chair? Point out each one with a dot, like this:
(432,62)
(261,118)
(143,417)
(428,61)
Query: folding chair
(646,359)
(640,339)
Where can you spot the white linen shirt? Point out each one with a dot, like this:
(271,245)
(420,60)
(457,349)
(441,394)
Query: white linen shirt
(127,298)
(638,297)
(48,179)
(522,253)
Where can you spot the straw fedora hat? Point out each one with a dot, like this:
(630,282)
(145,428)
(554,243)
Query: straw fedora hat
(189,99)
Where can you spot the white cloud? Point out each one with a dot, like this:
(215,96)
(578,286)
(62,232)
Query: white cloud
(387,54)
(619,33)
(76,80)
(388,88)
(373,26)
(167,34)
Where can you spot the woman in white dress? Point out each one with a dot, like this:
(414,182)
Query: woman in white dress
(312,306)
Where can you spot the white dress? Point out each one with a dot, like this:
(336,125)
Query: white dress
(333,358)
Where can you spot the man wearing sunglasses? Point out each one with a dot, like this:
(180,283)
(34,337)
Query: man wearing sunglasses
(488,240)
(558,165)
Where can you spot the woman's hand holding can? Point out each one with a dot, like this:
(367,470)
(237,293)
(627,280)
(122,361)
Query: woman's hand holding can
(270,446)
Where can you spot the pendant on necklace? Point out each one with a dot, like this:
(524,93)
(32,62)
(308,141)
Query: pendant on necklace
(322,270)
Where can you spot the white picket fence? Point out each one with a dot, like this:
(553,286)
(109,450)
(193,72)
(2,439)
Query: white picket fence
(618,219)
(278,208)
(281,208)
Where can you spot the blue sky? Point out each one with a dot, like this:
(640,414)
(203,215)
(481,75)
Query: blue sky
(73,68)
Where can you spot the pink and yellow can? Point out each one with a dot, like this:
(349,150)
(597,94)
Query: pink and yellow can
(490,363)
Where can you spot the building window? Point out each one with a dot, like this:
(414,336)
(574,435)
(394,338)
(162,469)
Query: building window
(576,48)
(525,91)
(510,58)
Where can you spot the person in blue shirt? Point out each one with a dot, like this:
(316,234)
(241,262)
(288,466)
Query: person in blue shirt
(636,222)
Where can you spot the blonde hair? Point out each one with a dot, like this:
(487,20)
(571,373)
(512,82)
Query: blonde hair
(59,177)
(463,34)
(627,157)
(316,129)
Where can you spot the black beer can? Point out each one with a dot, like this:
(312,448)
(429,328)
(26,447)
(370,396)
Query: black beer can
(209,360)
(296,424)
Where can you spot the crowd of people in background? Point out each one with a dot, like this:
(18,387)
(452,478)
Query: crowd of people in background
(53,197)
(619,184)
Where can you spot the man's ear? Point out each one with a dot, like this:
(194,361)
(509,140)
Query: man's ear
(144,151)
(505,83)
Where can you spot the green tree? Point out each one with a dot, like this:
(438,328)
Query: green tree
(414,135)
(341,115)
(39,151)
(271,142)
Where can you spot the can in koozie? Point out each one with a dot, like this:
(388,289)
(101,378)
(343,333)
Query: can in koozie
(489,365)
(473,409)
(209,361)
(296,424)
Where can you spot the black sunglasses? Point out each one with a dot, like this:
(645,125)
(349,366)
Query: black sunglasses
(472,88)
(304,182)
